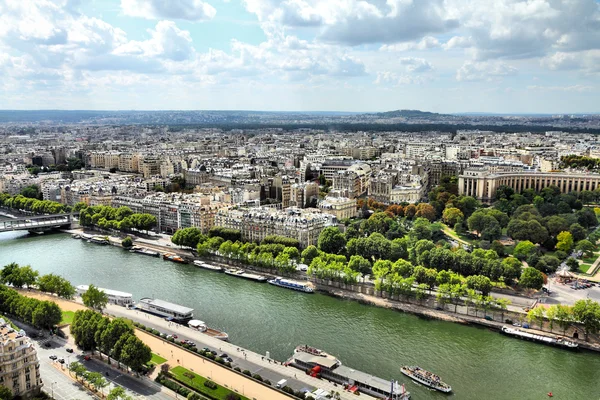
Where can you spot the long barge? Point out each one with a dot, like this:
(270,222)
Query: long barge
(243,274)
(319,364)
(170,311)
(114,296)
(144,251)
(552,341)
(290,284)
(205,265)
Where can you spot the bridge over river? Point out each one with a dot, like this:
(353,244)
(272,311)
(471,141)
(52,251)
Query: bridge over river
(38,223)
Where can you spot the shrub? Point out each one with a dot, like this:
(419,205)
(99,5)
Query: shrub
(288,389)
(267,382)
(257,377)
(219,360)
(237,369)
(210,384)
(232,396)
(246,372)
(183,391)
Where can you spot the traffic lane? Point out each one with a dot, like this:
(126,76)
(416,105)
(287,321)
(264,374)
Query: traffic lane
(116,377)
(61,386)
(238,357)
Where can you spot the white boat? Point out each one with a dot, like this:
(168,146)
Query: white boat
(243,274)
(114,296)
(201,326)
(294,285)
(426,378)
(208,266)
(552,341)
(165,309)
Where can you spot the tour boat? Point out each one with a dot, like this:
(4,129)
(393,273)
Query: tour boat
(201,326)
(171,311)
(552,341)
(318,364)
(174,258)
(243,274)
(289,284)
(426,378)
(208,266)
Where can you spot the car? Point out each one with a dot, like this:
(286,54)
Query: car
(61,360)
(206,349)
(47,344)
(214,353)
(224,356)
(53,357)
(229,359)
(69,350)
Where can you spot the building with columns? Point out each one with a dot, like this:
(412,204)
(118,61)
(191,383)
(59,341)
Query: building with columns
(482,184)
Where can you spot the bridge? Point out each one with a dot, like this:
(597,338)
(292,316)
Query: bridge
(39,223)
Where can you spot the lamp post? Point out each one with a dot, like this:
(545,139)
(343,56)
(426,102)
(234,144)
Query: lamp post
(52,386)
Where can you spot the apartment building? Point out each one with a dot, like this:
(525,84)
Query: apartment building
(341,207)
(354,181)
(257,223)
(19,364)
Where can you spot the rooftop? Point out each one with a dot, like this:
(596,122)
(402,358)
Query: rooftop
(166,305)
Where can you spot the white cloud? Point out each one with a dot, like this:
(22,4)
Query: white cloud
(428,42)
(458,42)
(413,64)
(484,71)
(167,41)
(388,78)
(190,10)
(586,61)
(574,88)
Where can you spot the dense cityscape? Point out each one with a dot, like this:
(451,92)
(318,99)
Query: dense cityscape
(299,199)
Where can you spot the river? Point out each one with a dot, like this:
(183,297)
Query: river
(478,363)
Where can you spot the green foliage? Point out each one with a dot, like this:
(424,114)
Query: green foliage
(118,393)
(94,298)
(18,276)
(188,237)
(121,218)
(32,192)
(20,202)
(565,241)
(41,314)
(127,242)
(480,283)
(531,278)
(588,313)
(309,254)
(225,233)
(331,240)
(286,241)
(524,249)
(56,284)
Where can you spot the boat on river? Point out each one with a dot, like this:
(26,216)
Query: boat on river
(318,364)
(426,378)
(243,274)
(202,327)
(290,284)
(170,311)
(144,251)
(174,257)
(208,266)
(552,341)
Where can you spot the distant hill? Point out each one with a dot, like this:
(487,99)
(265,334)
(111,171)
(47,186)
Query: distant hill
(410,114)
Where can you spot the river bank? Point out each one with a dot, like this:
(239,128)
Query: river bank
(366,294)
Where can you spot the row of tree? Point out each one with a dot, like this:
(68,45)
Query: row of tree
(586,312)
(19,276)
(115,338)
(97,381)
(20,202)
(41,314)
(121,218)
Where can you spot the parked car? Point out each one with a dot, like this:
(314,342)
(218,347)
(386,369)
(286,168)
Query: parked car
(53,357)
(61,360)
(224,356)
(69,350)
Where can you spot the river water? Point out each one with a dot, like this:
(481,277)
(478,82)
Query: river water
(478,363)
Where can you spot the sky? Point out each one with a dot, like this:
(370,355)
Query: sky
(449,56)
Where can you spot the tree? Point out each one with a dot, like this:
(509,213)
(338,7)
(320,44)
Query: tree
(425,210)
(134,352)
(477,221)
(31,192)
(380,270)
(586,247)
(564,316)
(480,283)
(556,224)
(531,278)
(360,264)
(524,249)
(5,393)
(111,334)
(127,242)
(578,232)
(94,298)
(77,368)
(588,313)
(46,315)
(565,241)
(421,229)
(573,264)
(512,269)
(331,240)
(452,216)
(118,393)
(309,254)
(537,314)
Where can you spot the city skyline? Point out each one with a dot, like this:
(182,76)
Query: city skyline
(452,56)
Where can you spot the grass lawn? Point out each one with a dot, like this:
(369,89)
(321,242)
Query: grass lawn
(67,317)
(156,359)
(198,383)
(590,260)
(584,268)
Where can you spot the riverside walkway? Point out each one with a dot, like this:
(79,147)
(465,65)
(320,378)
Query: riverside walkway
(258,364)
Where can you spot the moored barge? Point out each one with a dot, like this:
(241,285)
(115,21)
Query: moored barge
(552,341)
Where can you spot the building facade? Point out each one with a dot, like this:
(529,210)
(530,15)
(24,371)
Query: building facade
(19,364)
(482,184)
